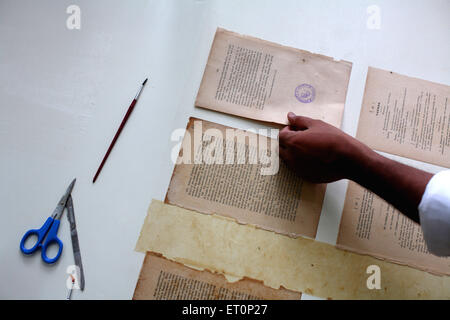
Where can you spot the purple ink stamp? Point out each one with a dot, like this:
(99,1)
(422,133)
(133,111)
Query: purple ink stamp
(305,93)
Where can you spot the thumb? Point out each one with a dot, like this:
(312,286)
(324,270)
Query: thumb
(299,122)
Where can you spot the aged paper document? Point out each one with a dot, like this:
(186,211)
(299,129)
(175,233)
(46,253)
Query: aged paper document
(406,116)
(162,279)
(269,195)
(370,225)
(221,245)
(261,80)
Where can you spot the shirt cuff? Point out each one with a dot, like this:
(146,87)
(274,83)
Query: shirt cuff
(434,213)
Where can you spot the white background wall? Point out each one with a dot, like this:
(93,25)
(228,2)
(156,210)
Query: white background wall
(64,92)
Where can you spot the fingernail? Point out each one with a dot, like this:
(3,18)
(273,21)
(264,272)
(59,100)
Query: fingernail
(291,115)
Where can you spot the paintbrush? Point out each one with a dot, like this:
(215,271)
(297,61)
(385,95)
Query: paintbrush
(122,125)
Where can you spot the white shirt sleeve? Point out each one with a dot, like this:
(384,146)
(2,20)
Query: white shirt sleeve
(434,213)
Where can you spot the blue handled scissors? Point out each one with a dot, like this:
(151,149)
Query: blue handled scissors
(49,229)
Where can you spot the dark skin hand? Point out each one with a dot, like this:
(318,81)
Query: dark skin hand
(321,153)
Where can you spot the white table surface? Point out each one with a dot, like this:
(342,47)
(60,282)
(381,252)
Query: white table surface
(64,92)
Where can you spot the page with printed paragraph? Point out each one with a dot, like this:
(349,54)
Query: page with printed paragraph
(162,279)
(261,80)
(406,116)
(370,225)
(238,174)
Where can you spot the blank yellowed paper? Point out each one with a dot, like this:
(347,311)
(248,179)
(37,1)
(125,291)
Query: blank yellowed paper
(277,200)
(162,279)
(261,80)
(370,225)
(221,245)
(406,116)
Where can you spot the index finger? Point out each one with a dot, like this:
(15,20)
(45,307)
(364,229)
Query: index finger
(299,122)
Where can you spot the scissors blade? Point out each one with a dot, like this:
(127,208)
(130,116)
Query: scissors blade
(74,236)
(62,203)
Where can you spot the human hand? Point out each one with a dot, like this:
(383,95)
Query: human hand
(318,151)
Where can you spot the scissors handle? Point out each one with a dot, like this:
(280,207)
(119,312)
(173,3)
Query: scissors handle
(40,233)
(50,227)
(52,238)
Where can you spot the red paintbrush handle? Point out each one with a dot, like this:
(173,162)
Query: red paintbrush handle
(113,142)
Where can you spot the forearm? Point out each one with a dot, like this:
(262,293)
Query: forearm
(398,184)
(321,153)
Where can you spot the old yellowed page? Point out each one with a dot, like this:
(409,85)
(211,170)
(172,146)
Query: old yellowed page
(261,80)
(268,195)
(221,245)
(406,116)
(162,279)
(370,225)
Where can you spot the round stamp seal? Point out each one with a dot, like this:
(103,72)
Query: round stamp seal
(305,93)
